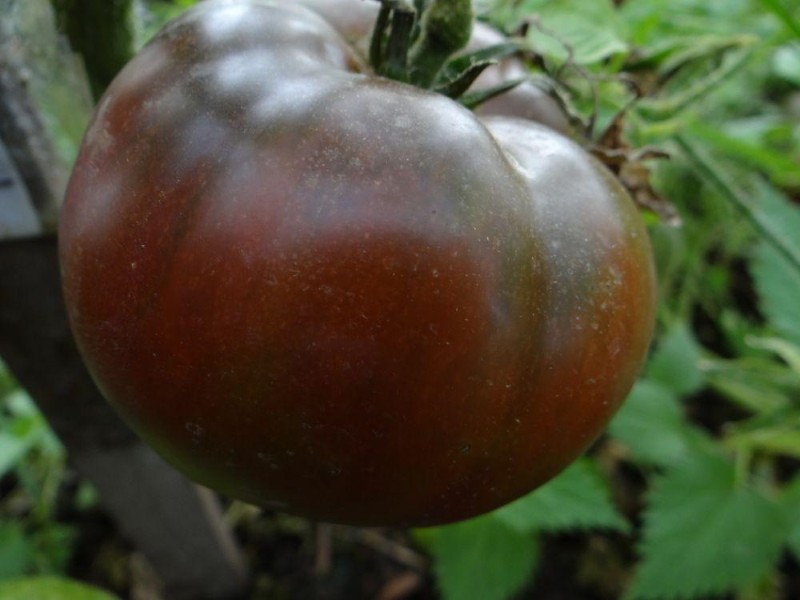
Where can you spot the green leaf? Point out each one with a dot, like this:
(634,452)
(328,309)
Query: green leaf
(719,536)
(20,404)
(652,22)
(696,87)
(16,551)
(460,72)
(675,362)
(779,9)
(790,499)
(787,351)
(777,215)
(26,429)
(760,385)
(781,439)
(50,588)
(778,282)
(7,383)
(463,61)
(481,559)
(764,207)
(586,32)
(577,499)
(786,63)
(456,88)
(782,169)
(475,98)
(54,545)
(652,425)
(701,48)
(12,449)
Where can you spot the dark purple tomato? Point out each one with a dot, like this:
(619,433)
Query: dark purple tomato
(315,289)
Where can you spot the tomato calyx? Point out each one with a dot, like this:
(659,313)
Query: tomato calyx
(412,41)
(419,42)
(460,72)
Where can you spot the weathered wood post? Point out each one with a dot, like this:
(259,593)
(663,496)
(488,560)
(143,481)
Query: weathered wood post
(44,105)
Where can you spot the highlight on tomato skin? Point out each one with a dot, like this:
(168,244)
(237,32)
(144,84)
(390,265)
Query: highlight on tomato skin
(312,288)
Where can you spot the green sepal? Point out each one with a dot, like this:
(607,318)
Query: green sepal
(458,65)
(461,71)
(474,99)
(455,88)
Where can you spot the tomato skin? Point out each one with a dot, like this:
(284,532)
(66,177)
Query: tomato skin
(338,295)
(353,19)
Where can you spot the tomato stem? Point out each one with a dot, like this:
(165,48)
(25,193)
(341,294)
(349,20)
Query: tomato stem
(396,65)
(412,41)
(378,34)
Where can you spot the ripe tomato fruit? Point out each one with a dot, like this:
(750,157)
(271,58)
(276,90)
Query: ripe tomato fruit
(316,289)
